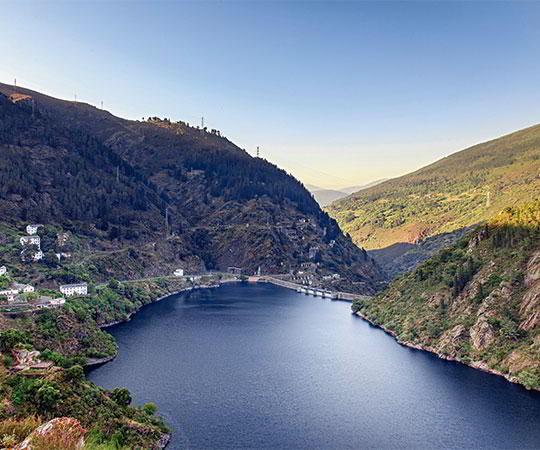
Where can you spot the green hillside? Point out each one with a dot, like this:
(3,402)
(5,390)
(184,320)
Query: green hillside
(477,302)
(460,190)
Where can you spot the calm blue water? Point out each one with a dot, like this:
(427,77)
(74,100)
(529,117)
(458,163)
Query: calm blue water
(257,366)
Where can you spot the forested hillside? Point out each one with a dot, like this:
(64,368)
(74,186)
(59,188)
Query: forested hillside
(477,302)
(174,195)
(458,191)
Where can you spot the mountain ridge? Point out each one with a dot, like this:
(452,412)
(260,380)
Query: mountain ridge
(455,192)
(223,207)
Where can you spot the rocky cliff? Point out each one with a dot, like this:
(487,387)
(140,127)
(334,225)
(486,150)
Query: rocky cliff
(477,302)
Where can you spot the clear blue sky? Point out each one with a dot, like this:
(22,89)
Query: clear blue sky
(336,93)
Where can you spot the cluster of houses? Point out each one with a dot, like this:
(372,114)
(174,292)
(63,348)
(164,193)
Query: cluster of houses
(14,294)
(31,244)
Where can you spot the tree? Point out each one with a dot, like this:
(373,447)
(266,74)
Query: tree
(47,396)
(121,396)
(149,408)
(12,337)
(75,373)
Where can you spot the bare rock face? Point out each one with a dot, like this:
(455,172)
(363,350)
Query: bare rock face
(62,432)
(530,308)
(530,305)
(451,341)
(482,334)
(533,270)
(476,239)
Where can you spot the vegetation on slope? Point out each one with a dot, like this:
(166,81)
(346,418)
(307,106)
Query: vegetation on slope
(477,302)
(70,337)
(163,186)
(458,191)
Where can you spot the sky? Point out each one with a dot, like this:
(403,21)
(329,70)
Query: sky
(337,93)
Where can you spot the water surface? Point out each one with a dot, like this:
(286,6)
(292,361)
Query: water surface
(258,366)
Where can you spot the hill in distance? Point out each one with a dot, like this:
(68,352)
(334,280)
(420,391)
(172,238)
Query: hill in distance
(141,198)
(325,197)
(456,192)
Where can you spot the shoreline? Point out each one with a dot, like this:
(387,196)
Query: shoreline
(93,363)
(180,291)
(473,365)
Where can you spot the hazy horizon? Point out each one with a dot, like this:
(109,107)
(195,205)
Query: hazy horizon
(338,94)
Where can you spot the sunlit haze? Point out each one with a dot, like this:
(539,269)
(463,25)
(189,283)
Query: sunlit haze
(339,94)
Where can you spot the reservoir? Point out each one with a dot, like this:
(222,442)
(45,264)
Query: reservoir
(259,366)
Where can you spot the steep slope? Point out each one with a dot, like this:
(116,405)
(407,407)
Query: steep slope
(115,182)
(477,302)
(458,191)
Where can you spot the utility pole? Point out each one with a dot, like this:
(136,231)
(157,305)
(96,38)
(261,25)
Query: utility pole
(101,104)
(75,97)
(202,122)
(258,151)
(15,82)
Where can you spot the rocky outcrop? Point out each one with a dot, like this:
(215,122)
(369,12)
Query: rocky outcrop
(451,340)
(530,305)
(60,433)
(533,269)
(482,334)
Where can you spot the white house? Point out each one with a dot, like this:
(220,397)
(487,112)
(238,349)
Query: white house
(69,290)
(57,301)
(30,240)
(9,292)
(179,273)
(3,270)
(32,228)
(24,288)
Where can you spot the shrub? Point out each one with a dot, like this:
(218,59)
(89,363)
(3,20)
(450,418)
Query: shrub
(121,396)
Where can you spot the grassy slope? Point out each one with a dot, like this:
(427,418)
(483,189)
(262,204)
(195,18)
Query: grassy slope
(445,196)
(477,302)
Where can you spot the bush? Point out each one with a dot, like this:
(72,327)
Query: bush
(529,378)
(75,373)
(121,396)
(11,338)
(47,396)
(149,408)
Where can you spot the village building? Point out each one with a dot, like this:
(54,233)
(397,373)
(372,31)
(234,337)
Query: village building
(32,228)
(3,270)
(57,301)
(23,288)
(179,273)
(69,290)
(234,270)
(10,294)
(30,240)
